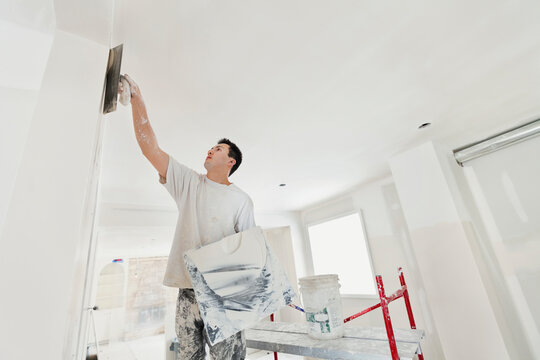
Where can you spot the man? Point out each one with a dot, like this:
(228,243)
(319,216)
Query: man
(210,208)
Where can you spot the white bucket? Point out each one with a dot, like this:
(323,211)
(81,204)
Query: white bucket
(322,304)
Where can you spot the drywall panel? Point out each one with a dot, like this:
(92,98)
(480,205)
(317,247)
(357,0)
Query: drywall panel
(24,57)
(17,108)
(440,236)
(280,241)
(292,219)
(47,220)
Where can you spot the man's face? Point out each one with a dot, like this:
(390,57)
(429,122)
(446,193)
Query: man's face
(218,157)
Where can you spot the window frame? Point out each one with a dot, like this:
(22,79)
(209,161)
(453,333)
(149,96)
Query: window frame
(368,248)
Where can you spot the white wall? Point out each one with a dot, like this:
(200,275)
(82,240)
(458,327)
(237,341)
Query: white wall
(24,58)
(17,111)
(45,226)
(505,204)
(390,247)
(441,236)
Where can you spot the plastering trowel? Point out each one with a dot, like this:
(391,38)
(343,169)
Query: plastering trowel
(112,79)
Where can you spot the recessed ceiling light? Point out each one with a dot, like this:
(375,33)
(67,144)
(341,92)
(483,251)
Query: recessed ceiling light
(424,125)
(282,185)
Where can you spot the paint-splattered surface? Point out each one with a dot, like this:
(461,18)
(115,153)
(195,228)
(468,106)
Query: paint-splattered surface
(358,342)
(244,293)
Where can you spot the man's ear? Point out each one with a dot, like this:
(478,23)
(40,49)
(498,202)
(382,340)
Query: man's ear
(232,162)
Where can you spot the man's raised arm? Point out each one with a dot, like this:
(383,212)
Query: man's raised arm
(143,131)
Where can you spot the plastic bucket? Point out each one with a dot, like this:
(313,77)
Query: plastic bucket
(322,305)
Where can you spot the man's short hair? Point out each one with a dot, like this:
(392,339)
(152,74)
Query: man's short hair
(234,152)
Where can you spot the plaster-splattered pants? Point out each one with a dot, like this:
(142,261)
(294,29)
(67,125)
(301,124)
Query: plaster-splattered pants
(192,336)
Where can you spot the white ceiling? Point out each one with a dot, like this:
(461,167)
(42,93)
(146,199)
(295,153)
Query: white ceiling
(318,94)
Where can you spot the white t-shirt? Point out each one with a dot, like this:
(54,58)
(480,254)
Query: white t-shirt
(207,212)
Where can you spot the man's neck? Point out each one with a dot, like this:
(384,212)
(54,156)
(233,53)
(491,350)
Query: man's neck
(218,177)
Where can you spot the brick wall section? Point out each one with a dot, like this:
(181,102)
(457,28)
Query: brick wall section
(147,298)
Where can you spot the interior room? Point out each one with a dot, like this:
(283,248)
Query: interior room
(379,139)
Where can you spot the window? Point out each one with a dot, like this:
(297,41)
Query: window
(339,247)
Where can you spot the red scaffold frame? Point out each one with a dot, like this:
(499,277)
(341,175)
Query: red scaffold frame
(385,300)
(275,353)
(402,292)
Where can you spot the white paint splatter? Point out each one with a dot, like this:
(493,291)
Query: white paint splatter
(142,136)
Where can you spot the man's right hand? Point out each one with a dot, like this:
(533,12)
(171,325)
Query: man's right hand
(134,88)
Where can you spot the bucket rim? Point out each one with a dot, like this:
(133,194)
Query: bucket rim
(319,278)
